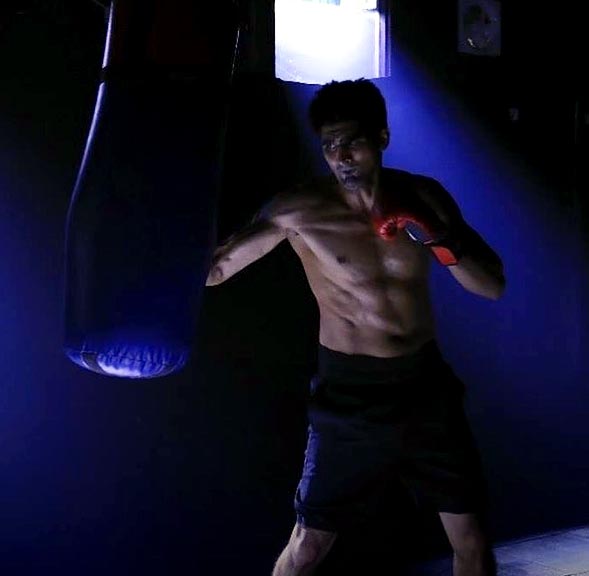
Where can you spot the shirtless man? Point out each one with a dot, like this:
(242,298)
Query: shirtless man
(384,401)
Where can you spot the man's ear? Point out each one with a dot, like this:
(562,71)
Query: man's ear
(384,137)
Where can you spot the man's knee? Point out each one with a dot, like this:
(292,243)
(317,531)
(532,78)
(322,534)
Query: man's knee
(466,534)
(475,550)
(308,547)
(471,546)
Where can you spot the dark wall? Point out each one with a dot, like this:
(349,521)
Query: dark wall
(523,184)
(110,476)
(197,471)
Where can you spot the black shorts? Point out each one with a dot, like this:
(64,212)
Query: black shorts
(375,419)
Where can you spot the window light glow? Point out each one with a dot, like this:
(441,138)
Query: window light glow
(317,41)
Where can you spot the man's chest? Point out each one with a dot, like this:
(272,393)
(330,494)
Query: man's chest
(345,246)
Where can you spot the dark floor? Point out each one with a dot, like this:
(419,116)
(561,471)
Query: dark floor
(562,553)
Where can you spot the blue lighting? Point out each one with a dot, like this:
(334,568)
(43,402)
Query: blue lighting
(127,361)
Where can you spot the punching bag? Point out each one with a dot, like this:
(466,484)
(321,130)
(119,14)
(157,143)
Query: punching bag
(141,225)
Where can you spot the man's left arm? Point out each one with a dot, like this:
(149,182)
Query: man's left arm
(478,267)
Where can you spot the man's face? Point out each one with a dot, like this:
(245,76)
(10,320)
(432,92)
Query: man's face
(353,157)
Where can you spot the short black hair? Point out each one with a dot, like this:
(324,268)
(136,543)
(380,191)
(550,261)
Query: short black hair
(349,100)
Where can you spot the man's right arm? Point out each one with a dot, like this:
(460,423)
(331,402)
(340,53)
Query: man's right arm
(262,235)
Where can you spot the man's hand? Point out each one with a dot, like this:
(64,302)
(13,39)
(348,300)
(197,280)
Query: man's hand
(422,225)
(216,272)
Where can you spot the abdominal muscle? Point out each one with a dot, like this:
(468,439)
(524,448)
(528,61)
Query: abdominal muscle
(373,312)
(381,322)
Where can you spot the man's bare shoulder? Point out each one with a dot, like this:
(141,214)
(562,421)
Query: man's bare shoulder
(298,200)
(433,193)
(405,182)
(425,189)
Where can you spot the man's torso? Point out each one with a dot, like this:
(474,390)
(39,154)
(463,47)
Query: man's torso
(372,294)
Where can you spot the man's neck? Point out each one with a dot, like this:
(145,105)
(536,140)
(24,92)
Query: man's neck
(363,199)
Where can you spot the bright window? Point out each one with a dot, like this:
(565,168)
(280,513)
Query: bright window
(322,40)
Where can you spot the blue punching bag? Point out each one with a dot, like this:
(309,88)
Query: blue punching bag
(141,222)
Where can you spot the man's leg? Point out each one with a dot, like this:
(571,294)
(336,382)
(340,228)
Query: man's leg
(305,550)
(473,553)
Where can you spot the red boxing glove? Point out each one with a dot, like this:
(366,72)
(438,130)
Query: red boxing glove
(422,225)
